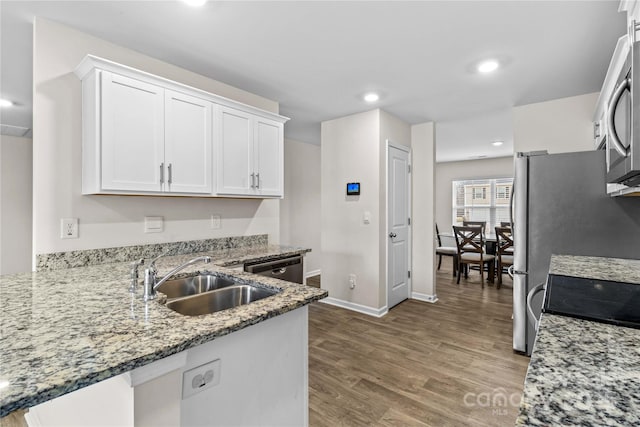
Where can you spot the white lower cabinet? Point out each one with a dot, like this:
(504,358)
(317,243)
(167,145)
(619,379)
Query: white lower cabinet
(273,388)
(250,155)
(143,134)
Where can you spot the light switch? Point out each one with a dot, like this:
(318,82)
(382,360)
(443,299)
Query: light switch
(153,224)
(215,221)
(366,217)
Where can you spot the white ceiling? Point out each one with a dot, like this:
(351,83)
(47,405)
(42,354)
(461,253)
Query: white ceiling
(318,58)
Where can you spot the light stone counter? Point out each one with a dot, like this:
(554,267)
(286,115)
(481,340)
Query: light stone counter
(65,329)
(583,372)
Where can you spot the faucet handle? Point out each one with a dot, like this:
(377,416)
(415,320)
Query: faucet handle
(134,274)
(134,267)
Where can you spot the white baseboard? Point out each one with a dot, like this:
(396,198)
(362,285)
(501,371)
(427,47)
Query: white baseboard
(424,297)
(376,312)
(312,273)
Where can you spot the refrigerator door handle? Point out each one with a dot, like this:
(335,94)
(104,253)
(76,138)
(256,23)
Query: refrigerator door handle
(513,189)
(535,321)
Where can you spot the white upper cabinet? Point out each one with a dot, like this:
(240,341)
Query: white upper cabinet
(143,134)
(235,149)
(132,134)
(250,155)
(268,157)
(188,143)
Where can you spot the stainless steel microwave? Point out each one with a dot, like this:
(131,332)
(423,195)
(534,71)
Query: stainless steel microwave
(622,116)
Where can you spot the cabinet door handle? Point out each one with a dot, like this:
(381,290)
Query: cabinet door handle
(257,180)
(253,180)
(170,174)
(161,173)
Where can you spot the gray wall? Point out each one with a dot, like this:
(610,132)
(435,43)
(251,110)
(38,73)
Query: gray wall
(16,181)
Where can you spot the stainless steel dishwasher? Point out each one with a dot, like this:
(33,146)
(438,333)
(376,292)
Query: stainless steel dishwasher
(289,269)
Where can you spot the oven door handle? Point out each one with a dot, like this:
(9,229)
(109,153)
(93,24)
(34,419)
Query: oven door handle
(613,105)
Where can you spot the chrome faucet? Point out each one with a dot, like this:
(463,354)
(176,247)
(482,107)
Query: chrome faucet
(150,275)
(133,287)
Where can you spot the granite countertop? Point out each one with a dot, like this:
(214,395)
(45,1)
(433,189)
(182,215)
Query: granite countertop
(66,329)
(583,372)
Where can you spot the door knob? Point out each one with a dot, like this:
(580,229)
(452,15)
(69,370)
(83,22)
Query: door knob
(392,235)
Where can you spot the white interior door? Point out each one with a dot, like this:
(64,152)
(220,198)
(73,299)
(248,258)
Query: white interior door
(398,226)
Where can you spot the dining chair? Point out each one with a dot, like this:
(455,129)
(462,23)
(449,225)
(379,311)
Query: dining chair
(481,224)
(446,251)
(470,244)
(504,252)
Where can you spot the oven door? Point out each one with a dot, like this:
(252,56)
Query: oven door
(623,132)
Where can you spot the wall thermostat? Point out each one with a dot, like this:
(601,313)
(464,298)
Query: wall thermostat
(353,189)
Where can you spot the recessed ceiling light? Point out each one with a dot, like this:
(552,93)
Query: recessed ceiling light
(195,2)
(371,97)
(488,66)
(5,103)
(497,143)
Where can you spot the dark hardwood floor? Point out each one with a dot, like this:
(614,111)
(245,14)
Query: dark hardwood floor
(443,364)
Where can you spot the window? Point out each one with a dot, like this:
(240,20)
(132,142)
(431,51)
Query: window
(482,200)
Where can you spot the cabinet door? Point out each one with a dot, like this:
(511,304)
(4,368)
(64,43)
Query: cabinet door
(188,143)
(268,157)
(132,143)
(234,168)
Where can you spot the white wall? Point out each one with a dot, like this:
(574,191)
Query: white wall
(354,150)
(300,208)
(447,172)
(559,126)
(15,204)
(350,152)
(107,221)
(423,186)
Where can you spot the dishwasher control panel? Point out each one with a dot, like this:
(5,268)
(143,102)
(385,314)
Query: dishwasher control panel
(289,268)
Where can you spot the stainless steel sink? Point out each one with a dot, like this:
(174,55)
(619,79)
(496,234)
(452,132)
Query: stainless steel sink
(193,285)
(218,300)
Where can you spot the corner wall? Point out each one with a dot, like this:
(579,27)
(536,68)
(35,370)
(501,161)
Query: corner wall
(350,152)
(558,126)
(106,221)
(423,148)
(354,150)
(16,182)
(300,214)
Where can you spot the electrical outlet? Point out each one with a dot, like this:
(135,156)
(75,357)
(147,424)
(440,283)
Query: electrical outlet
(216,222)
(352,281)
(69,228)
(200,378)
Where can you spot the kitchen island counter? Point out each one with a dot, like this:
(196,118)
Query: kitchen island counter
(62,330)
(584,372)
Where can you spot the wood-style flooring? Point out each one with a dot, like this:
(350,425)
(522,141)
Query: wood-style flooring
(443,364)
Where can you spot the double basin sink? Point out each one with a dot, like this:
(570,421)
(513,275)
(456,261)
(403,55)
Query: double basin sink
(209,293)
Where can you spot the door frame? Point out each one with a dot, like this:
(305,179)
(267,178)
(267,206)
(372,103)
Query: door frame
(389,144)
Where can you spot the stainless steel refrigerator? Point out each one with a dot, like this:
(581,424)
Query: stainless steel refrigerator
(561,207)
